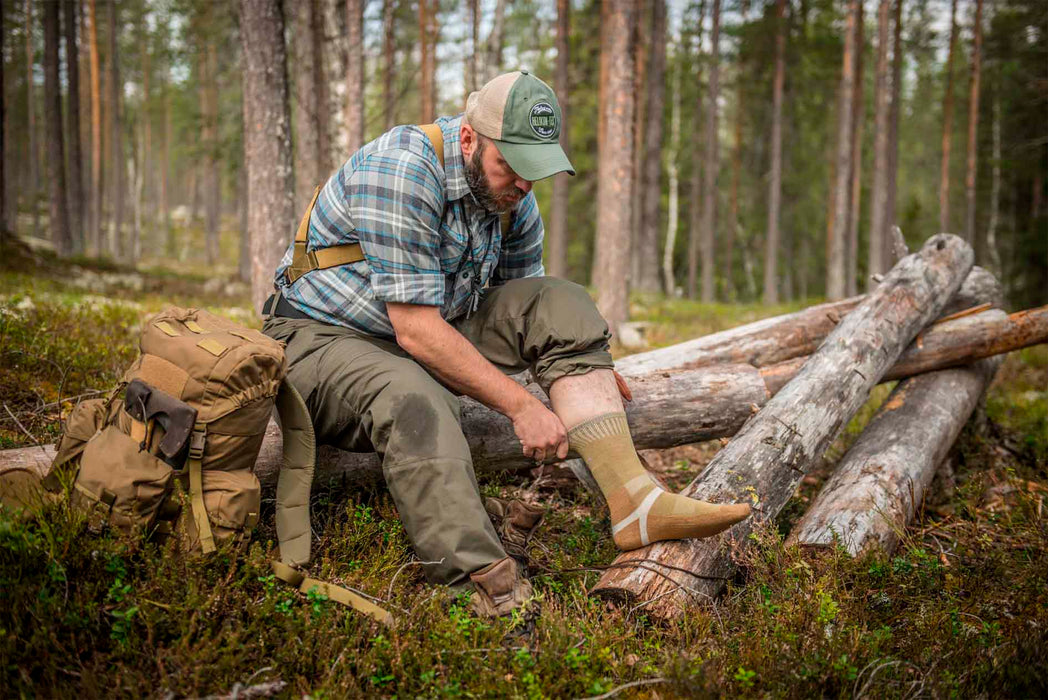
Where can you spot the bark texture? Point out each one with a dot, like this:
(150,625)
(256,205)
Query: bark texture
(615,170)
(95,225)
(881,154)
(769,456)
(267,141)
(116,141)
(836,248)
(771,251)
(947,126)
(978,242)
(60,234)
(557,240)
(695,187)
(711,166)
(879,484)
(855,197)
(647,253)
(388,62)
(74,183)
(354,108)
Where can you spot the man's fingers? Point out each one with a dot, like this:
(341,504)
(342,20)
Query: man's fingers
(624,389)
(562,451)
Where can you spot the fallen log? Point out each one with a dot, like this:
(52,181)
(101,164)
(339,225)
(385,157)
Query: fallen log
(878,485)
(669,408)
(767,459)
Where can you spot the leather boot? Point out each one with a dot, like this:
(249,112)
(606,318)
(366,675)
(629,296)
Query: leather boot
(499,589)
(515,522)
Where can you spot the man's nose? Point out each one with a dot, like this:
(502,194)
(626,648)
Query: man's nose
(523,185)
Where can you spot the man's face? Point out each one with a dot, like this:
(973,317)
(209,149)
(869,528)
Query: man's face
(493,183)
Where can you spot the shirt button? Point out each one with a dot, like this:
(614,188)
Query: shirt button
(465,275)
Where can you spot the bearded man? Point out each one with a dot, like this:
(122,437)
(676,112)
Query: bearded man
(437,297)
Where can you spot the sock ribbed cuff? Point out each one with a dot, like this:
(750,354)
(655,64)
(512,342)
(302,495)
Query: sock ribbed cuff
(598,428)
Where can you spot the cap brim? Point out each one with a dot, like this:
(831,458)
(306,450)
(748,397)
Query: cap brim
(535,161)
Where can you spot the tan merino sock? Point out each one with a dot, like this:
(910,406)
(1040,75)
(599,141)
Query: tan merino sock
(641,511)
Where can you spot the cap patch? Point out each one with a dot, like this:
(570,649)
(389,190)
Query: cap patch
(543,120)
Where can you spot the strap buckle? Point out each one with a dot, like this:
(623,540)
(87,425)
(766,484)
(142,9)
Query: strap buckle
(196,443)
(311,256)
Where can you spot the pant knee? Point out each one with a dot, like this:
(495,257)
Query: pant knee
(413,424)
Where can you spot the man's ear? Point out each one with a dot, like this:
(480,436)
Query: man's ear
(467,140)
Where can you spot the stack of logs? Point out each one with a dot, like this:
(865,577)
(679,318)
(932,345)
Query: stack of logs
(783,387)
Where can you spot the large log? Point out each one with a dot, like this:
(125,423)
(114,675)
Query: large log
(669,408)
(769,456)
(878,484)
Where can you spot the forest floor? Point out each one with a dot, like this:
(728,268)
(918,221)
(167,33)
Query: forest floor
(960,609)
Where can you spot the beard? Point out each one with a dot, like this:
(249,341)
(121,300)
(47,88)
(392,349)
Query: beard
(487,199)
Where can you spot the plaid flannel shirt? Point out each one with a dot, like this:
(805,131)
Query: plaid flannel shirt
(424,238)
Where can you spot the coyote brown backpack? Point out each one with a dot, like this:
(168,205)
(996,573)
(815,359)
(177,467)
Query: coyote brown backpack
(194,411)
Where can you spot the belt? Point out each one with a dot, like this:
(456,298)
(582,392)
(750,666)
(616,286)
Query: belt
(284,309)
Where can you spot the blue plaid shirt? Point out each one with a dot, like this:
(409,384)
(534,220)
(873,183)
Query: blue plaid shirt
(424,238)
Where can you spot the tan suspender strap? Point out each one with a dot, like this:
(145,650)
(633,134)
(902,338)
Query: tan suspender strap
(196,488)
(336,593)
(304,260)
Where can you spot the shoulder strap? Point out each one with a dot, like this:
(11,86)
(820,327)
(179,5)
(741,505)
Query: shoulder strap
(436,137)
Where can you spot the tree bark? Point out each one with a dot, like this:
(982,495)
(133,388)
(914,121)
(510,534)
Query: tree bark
(354,110)
(878,485)
(947,127)
(768,457)
(59,223)
(165,162)
(771,251)
(647,254)
(211,179)
(557,241)
(855,197)
(711,166)
(893,129)
(837,245)
(881,154)
(5,206)
(474,46)
(146,116)
(306,104)
(115,123)
(615,171)
(267,140)
(995,186)
(695,190)
(736,174)
(389,8)
(30,58)
(75,180)
(428,63)
(978,242)
(95,228)
(668,279)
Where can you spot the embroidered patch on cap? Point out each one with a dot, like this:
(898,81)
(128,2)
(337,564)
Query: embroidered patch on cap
(543,120)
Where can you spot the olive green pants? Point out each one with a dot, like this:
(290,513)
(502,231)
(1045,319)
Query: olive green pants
(365,393)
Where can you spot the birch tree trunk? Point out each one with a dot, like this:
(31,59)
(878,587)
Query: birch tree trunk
(354,109)
(95,227)
(855,198)
(647,255)
(557,241)
(615,172)
(711,166)
(769,456)
(59,219)
(947,126)
(837,245)
(978,242)
(881,155)
(267,140)
(74,183)
(771,250)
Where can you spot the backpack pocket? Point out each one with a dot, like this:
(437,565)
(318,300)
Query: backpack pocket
(85,420)
(232,500)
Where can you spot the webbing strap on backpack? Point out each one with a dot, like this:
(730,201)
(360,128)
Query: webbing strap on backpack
(292,517)
(196,487)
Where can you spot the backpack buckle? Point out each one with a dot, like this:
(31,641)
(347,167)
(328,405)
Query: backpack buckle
(196,443)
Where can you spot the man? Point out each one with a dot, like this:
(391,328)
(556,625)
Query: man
(444,301)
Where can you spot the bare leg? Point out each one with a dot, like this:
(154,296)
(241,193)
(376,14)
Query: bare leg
(577,398)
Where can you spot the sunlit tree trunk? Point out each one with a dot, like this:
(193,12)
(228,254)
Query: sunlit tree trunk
(668,280)
(95,228)
(854,200)
(881,155)
(647,253)
(267,140)
(615,174)
(388,62)
(59,220)
(947,126)
(978,242)
(557,248)
(30,59)
(75,181)
(837,244)
(116,148)
(711,167)
(354,110)
(771,250)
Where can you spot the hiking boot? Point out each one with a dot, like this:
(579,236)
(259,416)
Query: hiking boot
(515,522)
(499,589)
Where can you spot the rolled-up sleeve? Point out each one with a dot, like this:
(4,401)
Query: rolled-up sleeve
(521,254)
(396,199)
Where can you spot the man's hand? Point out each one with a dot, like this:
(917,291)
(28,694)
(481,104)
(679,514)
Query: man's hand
(540,431)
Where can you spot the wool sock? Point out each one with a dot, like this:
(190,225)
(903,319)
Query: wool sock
(641,511)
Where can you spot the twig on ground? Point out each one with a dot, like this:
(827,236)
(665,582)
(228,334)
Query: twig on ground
(633,684)
(19,424)
(389,591)
(260,690)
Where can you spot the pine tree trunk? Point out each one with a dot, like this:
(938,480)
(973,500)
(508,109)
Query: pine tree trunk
(211,179)
(668,279)
(711,166)
(494,44)
(146,116)
(640,88)
(75,180)
(427,62)
(318,43)
(893,134)
(771,251)
(5,206)
(855,197)
(306,105)
(977,241)
(647,253)
(59,222)
(34,163)
(389,8)
(736,174)
(165,165)
(881,154)
(116,148)
(615,174)
(837,245)
(267,140)
(995,187)
(354,110)
(695,185)
(557,240)
(947,126)
(95,229)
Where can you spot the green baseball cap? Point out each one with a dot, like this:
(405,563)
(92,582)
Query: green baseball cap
(520,113)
